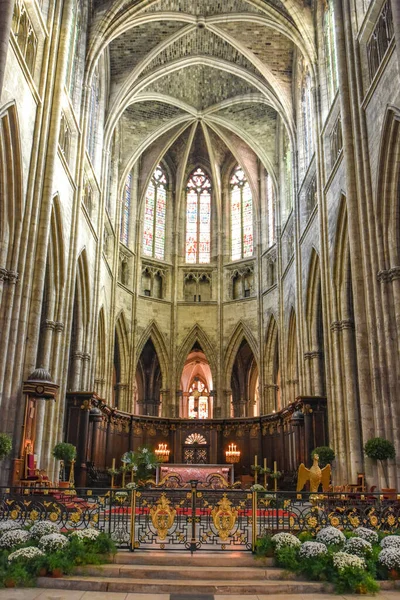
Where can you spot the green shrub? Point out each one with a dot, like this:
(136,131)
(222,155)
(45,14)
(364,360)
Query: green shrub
(326,455)
(315,568)
(264,546)
(64,451)
(379,449)
(287,557)
(5,445)
(352,580)
(306,536)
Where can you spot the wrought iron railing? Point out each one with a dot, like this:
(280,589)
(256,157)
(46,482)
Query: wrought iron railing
(194,518)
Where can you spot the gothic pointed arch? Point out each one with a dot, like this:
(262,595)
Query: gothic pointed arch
(388,189)
(292,380)
(11,187)
(79,357)
(240,333)
(101,354)
(272,367)
(314,326)
(153,333)
(196,334)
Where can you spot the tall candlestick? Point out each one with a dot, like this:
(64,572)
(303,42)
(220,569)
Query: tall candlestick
(255,470)
(275,479)
(112,474)
(265,473)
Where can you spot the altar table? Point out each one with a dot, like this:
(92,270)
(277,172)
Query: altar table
(196,472)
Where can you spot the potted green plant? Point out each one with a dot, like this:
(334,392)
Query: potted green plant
(141,462)
(5,445)
(66,454)
(380,449)
(326,455)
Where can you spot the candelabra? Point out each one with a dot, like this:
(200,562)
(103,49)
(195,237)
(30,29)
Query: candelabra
(232,454)
(162,453)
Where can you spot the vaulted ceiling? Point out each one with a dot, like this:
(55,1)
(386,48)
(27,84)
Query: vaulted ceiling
(226,64)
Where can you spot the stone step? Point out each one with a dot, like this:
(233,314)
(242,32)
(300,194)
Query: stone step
(190,572)
(187,587)
(200,559)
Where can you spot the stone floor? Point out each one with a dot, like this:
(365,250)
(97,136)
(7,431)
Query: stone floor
(41,594)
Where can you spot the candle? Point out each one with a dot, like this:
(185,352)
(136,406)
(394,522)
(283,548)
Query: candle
(275,480)
(113,463)
(255,471)
(265,473)
(275,469)
(255,460)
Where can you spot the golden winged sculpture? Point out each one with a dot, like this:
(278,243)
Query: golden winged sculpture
(315,475)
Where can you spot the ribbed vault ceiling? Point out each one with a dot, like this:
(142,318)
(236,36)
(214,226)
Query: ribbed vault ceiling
(176,63)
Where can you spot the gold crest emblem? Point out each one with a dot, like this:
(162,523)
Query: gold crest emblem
(224,517)
(162,516)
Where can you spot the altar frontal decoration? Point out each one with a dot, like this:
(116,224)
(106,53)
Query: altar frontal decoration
(314,475)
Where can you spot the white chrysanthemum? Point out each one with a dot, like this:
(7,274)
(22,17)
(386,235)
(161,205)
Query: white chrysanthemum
(311,549)
(390,558)
(281,540)
(330,536)
(42,528)
(342,560)
(52,542)
(391,541)
(25,553)
(14,537)
(367,534)
(8,526)
(358,546)
(86,534)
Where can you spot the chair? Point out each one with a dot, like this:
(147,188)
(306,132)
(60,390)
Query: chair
(33,477)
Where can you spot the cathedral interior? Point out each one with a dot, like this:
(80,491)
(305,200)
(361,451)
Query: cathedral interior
(200,230)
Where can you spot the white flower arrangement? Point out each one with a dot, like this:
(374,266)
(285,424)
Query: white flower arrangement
(343,560)
(26,553)
(42,528)
(281,540)
(131,486)
(14,537)
(312,549)
(391,541)
(366,534)
(330,536)
(8,526)
(86,534)
(390,558)
(52,542)
(358,546)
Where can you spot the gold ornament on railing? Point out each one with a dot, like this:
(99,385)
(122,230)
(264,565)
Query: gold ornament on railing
(232,454)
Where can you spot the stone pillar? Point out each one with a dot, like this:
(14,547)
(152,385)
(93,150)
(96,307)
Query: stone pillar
(226,409)
(83,443)
(85,370)
(396,26)
(77,360)
(46,348)
(6,12)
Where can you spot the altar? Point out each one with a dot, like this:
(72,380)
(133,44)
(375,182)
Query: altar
(200,473)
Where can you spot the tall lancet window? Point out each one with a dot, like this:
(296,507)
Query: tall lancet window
(154,216)
(330,51)
(126,211)
(306,109)
(198,218)
(241,216)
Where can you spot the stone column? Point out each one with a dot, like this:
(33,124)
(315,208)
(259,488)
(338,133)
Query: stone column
(76,378)
(48,328)
(396,26)
(85,371)
(6,12)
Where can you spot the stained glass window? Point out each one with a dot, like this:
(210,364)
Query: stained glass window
(126,209)
(330,51)
(241,216)
(75,45)
(307,118)
(198,218)
(270,210)
(154,216)
(198,400)
(93,114)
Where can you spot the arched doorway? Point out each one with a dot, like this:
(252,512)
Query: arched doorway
(244,383)
(196,386)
